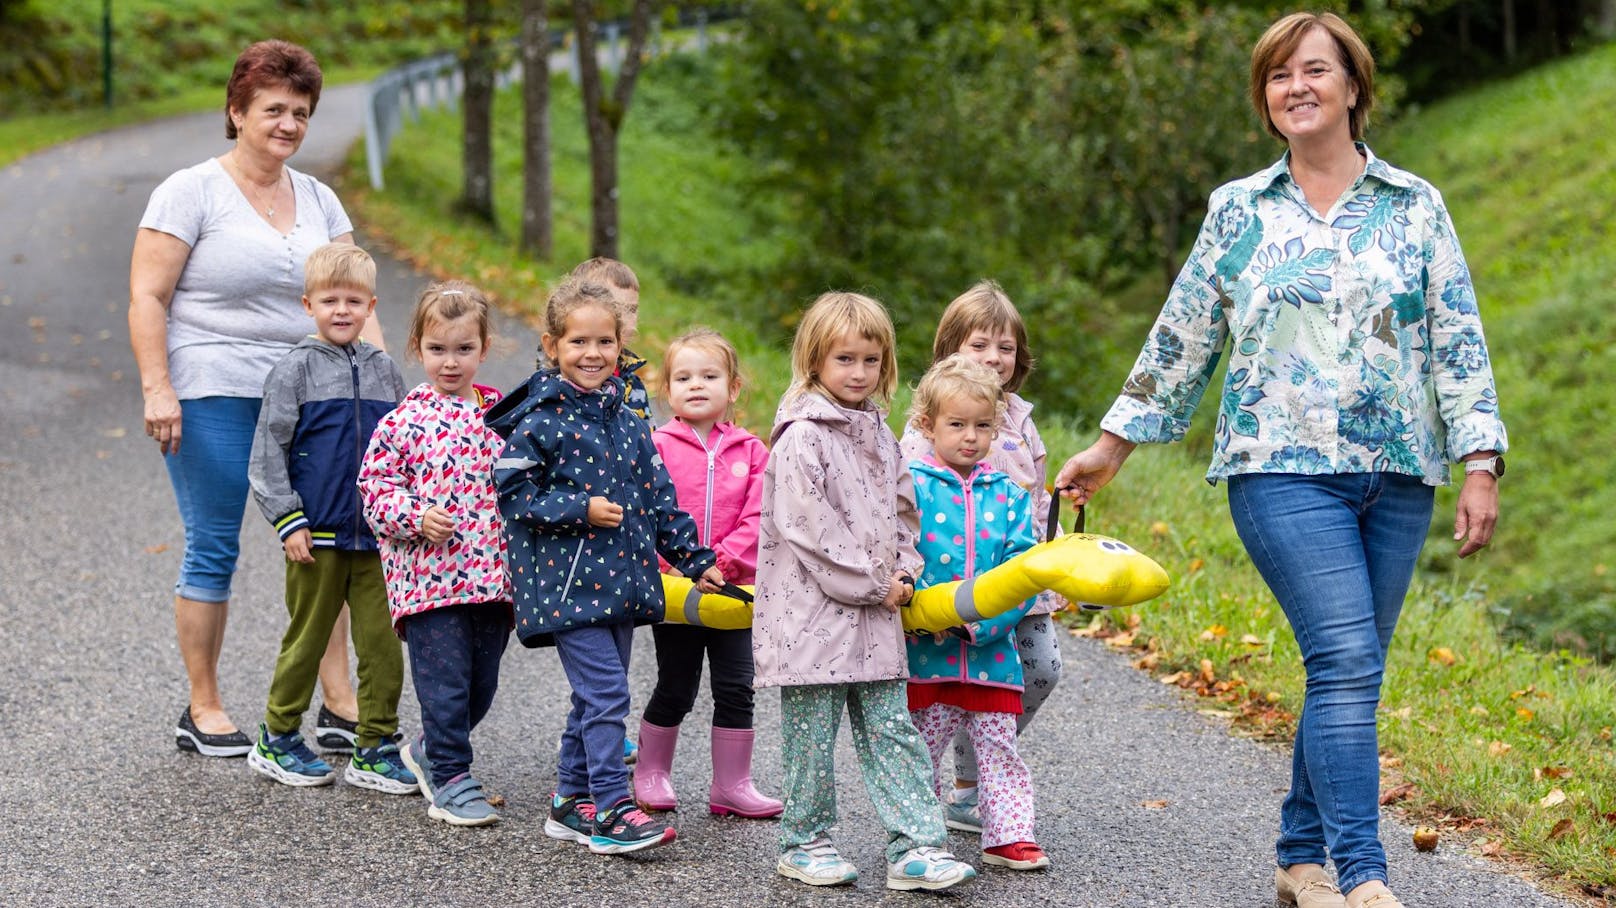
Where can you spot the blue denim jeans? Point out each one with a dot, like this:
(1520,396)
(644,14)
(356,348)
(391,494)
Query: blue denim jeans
(209,475)
(1338,552)
(595,660)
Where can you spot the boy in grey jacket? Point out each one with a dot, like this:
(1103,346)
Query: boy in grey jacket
(321,403)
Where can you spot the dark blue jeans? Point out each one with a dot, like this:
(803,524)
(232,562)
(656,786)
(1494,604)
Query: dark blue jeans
(454,662)
(596,662)
(1338,552)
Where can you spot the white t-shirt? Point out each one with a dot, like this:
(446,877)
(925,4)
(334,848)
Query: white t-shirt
(237,306)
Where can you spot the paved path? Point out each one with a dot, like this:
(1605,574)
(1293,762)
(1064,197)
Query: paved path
(97,806)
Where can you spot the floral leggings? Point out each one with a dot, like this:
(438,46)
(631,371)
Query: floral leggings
(890,753)
(1038,645)
(1006,783)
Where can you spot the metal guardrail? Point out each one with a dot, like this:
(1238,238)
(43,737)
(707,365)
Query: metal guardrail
(436,82)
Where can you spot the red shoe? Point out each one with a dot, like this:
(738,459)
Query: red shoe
(1016,856)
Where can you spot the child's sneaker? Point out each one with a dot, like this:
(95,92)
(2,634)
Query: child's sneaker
(963,813)
(624,827)
(571,819)
(1016,856)
(287,760)
(414,756)
(928,868)
(338,735)
(461,802)
(631,752)
(381,769)
(817,863)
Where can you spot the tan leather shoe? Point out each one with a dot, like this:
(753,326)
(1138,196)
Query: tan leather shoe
(1315,889)
(1381,900)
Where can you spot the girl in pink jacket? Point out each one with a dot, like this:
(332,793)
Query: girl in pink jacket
(836,561)
(428,487)
(717,471)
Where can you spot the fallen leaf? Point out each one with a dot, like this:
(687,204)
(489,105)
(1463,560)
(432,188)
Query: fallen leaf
(1492,848)
(1159,529)
(1479,711)
(1556,772)
(1251,640)
(1160,804)
(1397,793)
(1524,714)
(1405,713)
(157,549)
(1215,632)
(1207,674)
(1499,748)
(1120,641)
(1196,565)
(1561,829)
(1553,799)
(496,801)
(1441,655)
(1174,678)
(1216,713)
(1147,662)
(114,432)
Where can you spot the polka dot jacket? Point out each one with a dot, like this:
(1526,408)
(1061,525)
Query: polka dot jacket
(564,446)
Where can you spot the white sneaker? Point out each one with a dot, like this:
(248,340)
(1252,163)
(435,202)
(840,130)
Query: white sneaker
(817,864)
(927,867)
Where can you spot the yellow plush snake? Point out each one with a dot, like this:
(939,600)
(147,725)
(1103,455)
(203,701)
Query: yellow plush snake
(1095,572)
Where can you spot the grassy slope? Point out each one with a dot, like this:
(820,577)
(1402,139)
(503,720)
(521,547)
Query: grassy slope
(1483,729)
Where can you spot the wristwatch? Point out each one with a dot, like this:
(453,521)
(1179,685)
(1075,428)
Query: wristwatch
(1493,465)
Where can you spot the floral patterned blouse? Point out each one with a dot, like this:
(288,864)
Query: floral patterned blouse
(1356,344)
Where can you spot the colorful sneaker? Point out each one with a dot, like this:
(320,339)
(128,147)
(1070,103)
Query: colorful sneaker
(338,735)
(287,760)
(380,768)
(631,752)
(928,868)
(1016,856)
(817,863)
(964,814)
(571,819)
(461,802)
(624,827)
(414,756)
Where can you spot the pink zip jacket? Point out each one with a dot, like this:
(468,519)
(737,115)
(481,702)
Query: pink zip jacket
(435,449)
(838,520)
(719,483)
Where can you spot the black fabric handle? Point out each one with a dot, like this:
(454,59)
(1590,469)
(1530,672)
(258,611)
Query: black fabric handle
(735,592)
(1054,517)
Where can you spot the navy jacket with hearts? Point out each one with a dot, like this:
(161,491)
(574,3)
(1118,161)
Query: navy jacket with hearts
(564,446)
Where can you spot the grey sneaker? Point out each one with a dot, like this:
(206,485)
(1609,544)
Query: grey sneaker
(964,814)
(928,868)
(817,863)
(414,756)
(462,803)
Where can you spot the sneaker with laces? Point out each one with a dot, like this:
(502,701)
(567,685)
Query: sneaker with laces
(461,802)
(572,819)
(287,760)
(1016,856)
(624,828)
(380,768)
(414,756)
(928,868)
(817,863)
(964,814)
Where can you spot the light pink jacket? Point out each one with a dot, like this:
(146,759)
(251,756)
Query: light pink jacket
(1017,451)
(719,483)
(838,519)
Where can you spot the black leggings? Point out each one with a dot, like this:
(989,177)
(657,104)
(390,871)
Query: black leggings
(679,651)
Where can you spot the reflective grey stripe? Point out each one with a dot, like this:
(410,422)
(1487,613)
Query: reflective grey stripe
(965,601)
(693,608)
(515,463)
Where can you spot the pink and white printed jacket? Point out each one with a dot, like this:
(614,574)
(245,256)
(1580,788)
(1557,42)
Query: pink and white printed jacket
(435,450)
(719,482)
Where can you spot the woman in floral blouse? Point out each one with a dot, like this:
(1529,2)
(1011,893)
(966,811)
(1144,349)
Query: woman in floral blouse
(1357,373)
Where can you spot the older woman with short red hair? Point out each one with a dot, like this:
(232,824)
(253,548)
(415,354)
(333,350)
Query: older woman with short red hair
(215,283)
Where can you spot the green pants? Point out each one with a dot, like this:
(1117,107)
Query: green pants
(891,753)
(314,597)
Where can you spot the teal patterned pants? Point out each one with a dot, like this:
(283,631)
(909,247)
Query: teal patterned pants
(891,753)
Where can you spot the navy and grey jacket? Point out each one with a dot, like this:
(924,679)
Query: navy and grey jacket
(321,404)
(564,446)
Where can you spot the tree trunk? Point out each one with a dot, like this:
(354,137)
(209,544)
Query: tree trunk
(1605,24)
(1511,38)
(536,223)
(477,196)
(603,117)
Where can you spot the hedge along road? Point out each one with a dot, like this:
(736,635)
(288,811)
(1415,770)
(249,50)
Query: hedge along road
(98,805)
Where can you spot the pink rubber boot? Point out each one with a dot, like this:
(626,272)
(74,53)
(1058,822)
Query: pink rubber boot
(732,790)
(653,787)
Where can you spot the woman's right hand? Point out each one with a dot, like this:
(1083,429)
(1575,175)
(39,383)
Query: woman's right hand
(163,418)
(1091,468)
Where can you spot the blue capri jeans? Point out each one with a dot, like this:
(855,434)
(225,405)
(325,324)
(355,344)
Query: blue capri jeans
(1338,552)
(209,475)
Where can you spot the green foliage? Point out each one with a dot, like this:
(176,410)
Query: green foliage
(165,47)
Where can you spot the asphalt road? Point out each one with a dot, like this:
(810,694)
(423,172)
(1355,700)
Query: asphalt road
(98,807)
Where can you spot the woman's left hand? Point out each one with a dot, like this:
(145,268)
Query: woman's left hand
(1477,513)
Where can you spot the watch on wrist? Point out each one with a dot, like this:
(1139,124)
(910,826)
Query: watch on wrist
(1493,465)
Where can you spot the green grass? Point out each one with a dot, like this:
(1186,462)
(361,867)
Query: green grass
(1484,729)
